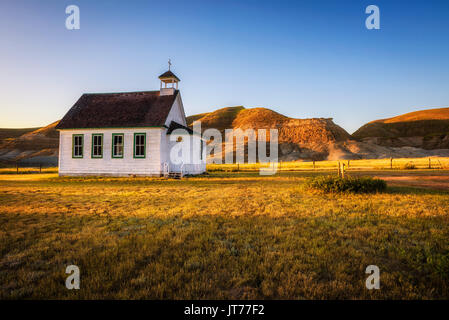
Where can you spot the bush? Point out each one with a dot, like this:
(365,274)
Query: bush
(408,166)
(355,185)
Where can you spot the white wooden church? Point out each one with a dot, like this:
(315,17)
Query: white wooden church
(129,134)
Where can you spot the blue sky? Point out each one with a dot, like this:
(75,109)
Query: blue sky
(300,58)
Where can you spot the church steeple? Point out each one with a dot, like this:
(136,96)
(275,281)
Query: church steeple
(169,81)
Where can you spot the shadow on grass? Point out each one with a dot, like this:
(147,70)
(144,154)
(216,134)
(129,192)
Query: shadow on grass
(415,190)
(224,178)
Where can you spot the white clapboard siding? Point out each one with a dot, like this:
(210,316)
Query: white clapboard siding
(190,165)
(128,165)
(158,146)
(176,113)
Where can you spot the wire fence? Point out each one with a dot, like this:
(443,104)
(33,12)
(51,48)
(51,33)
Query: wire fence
(18,168)
(432,163)
(435,163)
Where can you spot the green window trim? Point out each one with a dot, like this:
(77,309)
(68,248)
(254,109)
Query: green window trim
(144,145)
(201,149)
(102,146)
(113,156)
(74,146)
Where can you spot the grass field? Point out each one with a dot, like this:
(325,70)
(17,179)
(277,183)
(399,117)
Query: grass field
(9,170)
(225,235)
(363,164)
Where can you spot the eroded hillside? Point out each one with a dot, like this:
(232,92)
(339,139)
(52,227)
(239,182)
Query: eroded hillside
(426,129)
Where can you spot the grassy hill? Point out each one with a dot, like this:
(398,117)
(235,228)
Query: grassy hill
(41,138)
(9,134)
(32,146)
(427,129)
(429,114)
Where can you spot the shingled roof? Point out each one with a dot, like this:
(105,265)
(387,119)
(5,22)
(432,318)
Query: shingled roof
(168,74)
(115,110)
(174,125)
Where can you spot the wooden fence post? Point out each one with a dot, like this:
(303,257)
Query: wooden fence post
(430,164)
(391,163)
(343,170)
(339,173)
(17,167)
(313,164)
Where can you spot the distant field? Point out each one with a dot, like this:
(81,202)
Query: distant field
(397,163)
(350,165)
(225,235)
(27,170)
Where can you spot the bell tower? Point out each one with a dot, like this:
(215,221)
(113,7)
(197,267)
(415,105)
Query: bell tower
(169,82)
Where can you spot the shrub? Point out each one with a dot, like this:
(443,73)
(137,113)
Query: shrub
(409,166)
(337,184)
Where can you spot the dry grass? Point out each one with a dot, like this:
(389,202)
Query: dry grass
(226,235)
(9,134)
(27,170)
(429,114)
(351,165)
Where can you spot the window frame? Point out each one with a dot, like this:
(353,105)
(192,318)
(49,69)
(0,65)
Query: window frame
(73,145)
(113,156)
(144,145)
(201,149)
(102,146)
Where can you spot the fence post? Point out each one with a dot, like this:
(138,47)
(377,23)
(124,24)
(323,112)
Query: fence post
(17,167)
(339,173)
(391,163)
(313,164)
(430,164)
(343,170)
(348,163)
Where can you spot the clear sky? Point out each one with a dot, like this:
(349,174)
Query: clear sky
(300,58)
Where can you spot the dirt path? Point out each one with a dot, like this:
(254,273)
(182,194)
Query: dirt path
(430,181)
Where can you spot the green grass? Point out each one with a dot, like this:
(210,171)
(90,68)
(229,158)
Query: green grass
(349,184)
(221,236)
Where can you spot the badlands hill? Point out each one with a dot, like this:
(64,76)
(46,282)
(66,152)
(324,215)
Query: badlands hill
(417,134)
(305,139)
(298,138)
(426,129)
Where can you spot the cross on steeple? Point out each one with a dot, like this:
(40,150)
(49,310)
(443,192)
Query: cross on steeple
(169,81)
